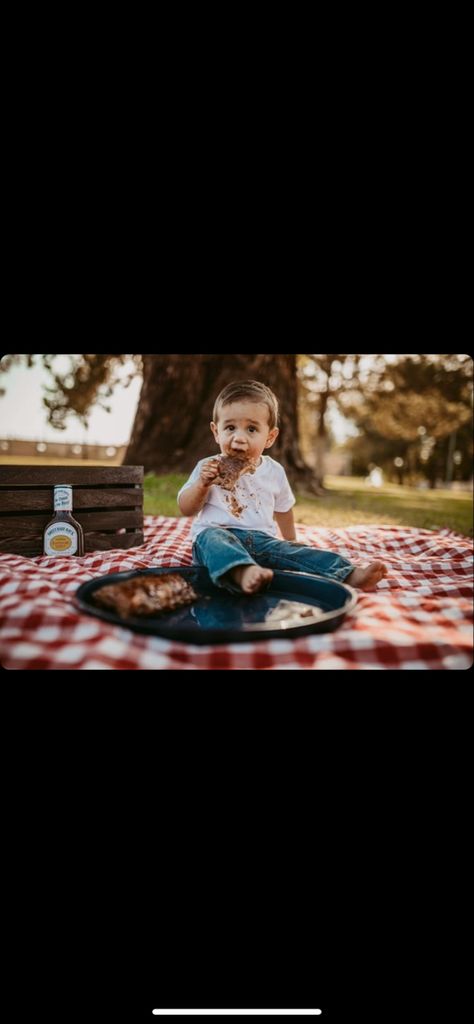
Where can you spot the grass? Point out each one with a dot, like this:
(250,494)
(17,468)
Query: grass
(160,494)
(349,502)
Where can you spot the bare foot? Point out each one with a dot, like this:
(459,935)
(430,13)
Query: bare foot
(366,577)
(251,578)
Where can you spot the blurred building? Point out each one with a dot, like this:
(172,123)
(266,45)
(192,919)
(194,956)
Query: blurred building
(58,450)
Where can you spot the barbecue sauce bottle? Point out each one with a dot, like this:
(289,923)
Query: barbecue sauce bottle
(63,534)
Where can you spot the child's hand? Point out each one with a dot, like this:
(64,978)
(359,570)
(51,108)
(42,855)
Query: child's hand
(209,472)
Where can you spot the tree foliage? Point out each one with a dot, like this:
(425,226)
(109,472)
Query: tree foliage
(89,380)
(328,382)
(415,407)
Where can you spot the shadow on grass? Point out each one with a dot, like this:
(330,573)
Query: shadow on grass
(349,502)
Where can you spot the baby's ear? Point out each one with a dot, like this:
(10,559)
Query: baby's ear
(272,437)
(214,431)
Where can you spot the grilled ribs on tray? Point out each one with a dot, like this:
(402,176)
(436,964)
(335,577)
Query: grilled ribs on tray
(145,595)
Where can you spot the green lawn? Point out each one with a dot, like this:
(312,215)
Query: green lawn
(348,502)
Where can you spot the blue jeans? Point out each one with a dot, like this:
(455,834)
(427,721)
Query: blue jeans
(220,550)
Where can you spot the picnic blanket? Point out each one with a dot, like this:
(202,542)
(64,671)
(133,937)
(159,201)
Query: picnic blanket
(420,617)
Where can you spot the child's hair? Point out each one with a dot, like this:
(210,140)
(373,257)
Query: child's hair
(253,391)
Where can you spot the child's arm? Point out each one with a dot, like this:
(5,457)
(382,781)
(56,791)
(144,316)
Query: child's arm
(286,522)
(193,499)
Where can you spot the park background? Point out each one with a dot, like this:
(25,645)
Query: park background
(365,439)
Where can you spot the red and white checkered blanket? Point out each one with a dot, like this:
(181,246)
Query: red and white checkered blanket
(420,617)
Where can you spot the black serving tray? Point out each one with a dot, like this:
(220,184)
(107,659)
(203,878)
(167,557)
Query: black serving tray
(294,604)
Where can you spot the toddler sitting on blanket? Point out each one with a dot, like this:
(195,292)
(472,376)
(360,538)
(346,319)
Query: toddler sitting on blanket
(238,499)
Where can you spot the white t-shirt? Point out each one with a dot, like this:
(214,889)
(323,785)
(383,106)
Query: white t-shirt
(252,504)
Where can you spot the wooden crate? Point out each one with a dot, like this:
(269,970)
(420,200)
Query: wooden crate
(108,503)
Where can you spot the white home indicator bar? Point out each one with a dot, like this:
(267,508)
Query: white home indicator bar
(237,1013)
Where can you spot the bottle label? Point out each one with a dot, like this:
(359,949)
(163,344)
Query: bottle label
(60,539)
(63,499)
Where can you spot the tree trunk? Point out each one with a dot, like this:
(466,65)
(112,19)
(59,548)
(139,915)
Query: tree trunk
(450,458)
(171,430)
(321,443)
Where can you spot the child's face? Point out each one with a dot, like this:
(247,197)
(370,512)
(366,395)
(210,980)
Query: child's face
(243,426)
